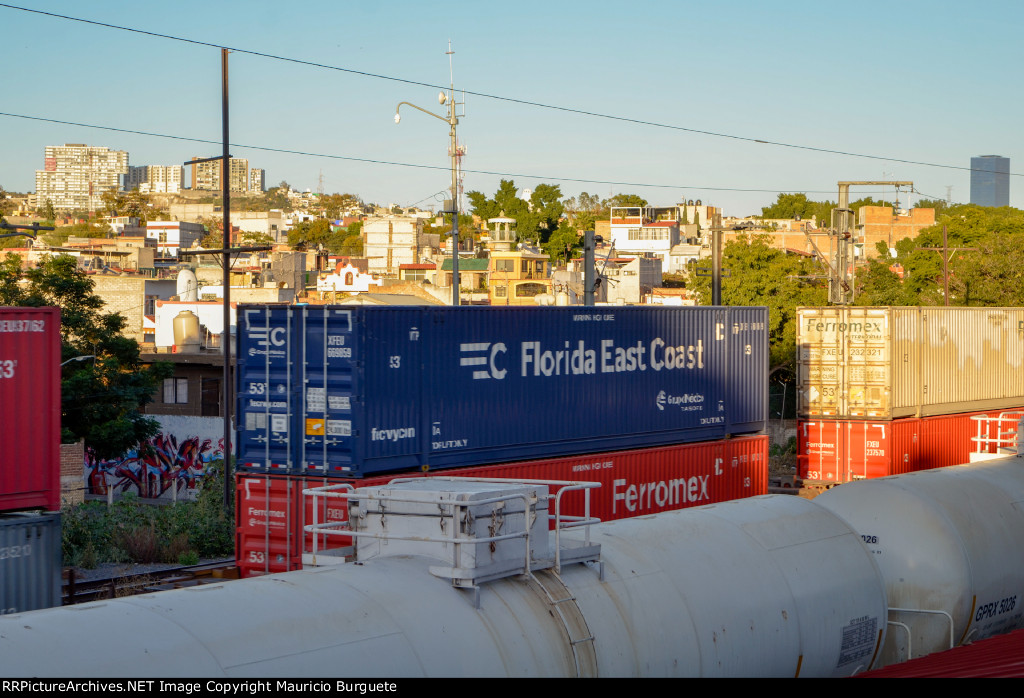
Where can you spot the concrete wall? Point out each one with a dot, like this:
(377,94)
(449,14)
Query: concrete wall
(169,470)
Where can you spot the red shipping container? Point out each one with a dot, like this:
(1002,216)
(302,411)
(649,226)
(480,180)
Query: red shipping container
(271,512)
(29,409)
(833,451)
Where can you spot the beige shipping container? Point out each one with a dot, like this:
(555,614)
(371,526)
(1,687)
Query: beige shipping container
(888,362)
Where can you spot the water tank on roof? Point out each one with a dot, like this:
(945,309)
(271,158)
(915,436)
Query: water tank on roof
(187,338)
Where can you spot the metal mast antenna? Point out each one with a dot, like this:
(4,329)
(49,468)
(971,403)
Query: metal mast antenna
(451,205)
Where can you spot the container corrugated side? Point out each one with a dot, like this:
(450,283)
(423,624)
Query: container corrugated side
(272,512)
(29,408)
(265,389)
(378,390)
(889,362)
(30,561)
(832,451)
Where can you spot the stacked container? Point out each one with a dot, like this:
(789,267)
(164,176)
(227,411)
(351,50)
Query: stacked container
(352,392)
(889,390)
(272,512)
(644,400)
(29,458)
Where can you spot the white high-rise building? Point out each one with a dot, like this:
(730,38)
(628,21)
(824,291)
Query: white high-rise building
(257,180)
(75,175)
(207,175)
(155,179)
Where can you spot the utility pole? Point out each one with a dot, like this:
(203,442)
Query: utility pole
(451,205)
(225,252)
(945,261)
(842,260)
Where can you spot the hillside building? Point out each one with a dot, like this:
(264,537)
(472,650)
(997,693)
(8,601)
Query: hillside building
(75,176)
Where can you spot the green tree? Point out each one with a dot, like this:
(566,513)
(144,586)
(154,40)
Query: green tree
(318,234)
(352,246)
(760,274)
(793,205)
(102,397)
(564,243)
(254,238)
(6,205)
(334,205)
(277,198)
(133,203)
(983,275)
(631,200)
(535,220)
(938,204)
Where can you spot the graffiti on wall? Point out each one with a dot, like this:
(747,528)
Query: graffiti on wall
(166,467)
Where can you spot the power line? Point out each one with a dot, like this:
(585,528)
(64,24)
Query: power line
(372,161)
(512,100)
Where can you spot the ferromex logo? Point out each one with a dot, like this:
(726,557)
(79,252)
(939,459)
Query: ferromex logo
(663,493)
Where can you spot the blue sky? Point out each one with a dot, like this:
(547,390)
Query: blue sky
(916,81)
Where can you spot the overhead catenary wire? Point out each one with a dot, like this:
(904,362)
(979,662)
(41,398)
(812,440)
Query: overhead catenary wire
(445,168)
(512,100)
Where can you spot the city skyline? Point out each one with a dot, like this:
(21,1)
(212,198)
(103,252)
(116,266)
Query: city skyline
(742,70)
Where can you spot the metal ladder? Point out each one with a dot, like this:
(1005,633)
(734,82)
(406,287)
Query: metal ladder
(563,603)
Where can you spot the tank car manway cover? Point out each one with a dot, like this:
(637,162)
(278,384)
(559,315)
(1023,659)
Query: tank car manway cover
(481,530)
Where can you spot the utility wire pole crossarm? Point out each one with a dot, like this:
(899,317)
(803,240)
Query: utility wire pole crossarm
(946,253)
(453,208)
(842,283)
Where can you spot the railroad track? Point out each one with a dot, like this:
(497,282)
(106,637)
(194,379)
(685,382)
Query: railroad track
(76,590)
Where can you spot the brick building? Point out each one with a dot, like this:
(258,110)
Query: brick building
(879,224)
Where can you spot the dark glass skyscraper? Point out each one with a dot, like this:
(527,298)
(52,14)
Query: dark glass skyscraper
(990,180)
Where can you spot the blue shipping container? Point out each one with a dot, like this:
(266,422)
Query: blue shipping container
(352,390)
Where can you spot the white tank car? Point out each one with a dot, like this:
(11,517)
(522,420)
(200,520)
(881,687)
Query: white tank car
(768,586)
(948,542)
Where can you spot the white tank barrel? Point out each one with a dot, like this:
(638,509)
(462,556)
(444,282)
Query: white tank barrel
(770,586)
(948,542)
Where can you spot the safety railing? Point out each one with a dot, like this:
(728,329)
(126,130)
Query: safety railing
(997,435)
(447,507)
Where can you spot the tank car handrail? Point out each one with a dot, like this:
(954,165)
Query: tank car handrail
(348,492)
(525,534)
(1005,437)
(936,612)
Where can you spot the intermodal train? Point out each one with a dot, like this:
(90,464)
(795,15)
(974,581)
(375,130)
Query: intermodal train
(868,574)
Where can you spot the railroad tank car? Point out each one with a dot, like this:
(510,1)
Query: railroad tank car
(948,543)
(768,586)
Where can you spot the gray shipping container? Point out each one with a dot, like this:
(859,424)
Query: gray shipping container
(889,362)
(30,561)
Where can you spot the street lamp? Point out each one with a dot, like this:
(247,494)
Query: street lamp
(452,120)
(79,358)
